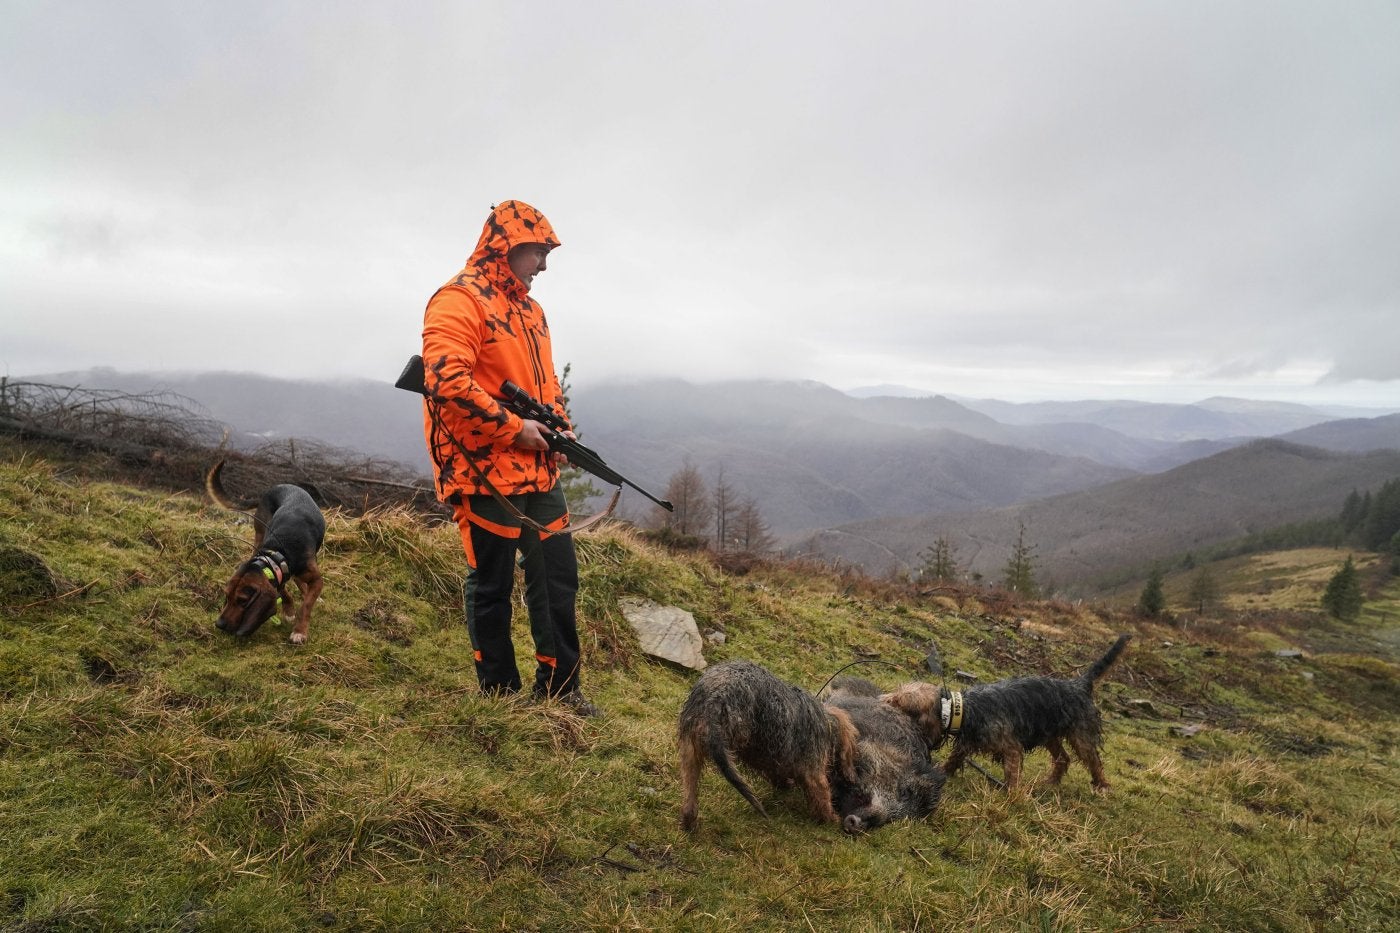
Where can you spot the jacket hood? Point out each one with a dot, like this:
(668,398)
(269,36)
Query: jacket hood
(509,224)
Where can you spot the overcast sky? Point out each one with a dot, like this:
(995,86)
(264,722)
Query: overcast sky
(1153,200)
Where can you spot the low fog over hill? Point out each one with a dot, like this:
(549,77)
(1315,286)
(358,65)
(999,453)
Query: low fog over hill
(370,416)
(812,457)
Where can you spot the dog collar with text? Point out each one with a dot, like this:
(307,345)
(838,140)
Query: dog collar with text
(274,566)
(952,710)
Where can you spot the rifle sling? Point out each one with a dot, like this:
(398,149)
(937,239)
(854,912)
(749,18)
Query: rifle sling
(570,528)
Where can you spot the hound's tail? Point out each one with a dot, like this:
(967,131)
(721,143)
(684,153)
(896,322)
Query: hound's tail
(216,491)
(1101,666)
(719,754)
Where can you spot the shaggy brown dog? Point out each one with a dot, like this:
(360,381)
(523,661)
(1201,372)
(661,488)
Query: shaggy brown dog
(737,709)
(1008,718)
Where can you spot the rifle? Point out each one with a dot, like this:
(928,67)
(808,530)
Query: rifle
(518,401)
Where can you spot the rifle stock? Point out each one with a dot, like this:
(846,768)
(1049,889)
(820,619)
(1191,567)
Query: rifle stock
(521,403)
(412,376)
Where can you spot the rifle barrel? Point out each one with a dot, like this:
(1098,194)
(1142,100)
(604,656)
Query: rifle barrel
(526,406)
(590,461)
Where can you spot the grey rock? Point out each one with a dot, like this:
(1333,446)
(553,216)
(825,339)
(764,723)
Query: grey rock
(665,632)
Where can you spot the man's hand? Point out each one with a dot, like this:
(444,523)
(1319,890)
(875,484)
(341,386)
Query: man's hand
(560,460)
(532,437)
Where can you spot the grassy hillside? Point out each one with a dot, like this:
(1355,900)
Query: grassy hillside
(157,774)
(1275,581)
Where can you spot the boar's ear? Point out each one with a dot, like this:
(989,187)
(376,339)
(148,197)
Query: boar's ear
(846,737)
(920,703)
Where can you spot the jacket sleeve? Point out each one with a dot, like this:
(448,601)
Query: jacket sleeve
(453,328)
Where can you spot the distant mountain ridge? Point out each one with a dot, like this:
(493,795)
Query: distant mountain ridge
(811,456)
(1073,410)
(1093,534)
(1213,419)
(888,469)
(1355,434)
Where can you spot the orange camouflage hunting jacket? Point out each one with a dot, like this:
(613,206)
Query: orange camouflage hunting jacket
(479,330)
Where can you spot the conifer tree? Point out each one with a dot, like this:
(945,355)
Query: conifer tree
(725,502)
(940,562)
(751,534)
(1382,519)
(1019,574)
(1152,600)
(1343,599)
(1352,514)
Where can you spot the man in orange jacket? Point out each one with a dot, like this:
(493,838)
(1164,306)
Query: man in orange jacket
(480,330)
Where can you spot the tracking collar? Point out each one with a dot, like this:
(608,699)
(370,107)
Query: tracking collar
(274,566)
(952,712)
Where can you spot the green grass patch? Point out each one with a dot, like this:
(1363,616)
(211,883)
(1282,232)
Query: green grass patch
(157,774)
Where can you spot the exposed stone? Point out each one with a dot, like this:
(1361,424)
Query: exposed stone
(665,632)
(1143,706)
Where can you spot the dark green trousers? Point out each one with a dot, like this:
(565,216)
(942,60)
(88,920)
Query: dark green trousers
(495,543)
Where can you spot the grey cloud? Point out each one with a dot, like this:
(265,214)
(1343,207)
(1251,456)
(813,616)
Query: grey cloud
(69,238)
(1182,191)
(1378,361)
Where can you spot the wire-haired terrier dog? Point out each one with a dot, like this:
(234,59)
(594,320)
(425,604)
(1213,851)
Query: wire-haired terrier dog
(737,709)
(1008,718)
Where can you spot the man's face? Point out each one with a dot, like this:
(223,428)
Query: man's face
(527,261)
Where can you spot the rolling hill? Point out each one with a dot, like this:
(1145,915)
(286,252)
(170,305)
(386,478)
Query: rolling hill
(874,479)
(1094,534)
(812,457)
(1354,434)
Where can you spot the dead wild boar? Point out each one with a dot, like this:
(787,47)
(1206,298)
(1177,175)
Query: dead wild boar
(894,777)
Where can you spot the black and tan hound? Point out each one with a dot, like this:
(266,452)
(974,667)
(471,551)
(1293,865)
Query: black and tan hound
(288,529)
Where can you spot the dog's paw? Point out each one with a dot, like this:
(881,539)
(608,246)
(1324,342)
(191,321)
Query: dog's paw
(298,638)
